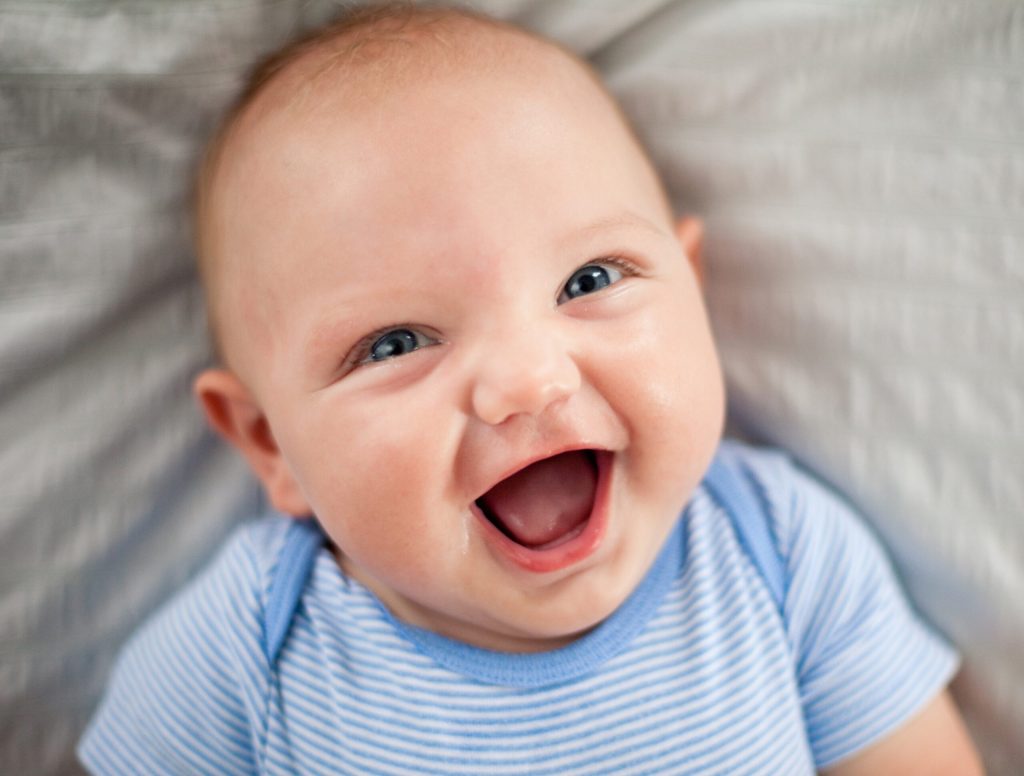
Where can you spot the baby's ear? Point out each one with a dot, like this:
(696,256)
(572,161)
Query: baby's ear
(235,414)
(690,232)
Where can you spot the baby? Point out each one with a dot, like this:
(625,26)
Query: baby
(465,351)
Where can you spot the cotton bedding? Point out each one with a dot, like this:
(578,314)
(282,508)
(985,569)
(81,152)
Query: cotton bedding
(859,166)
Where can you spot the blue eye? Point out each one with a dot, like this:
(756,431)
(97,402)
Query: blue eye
(394,343)
(588,279)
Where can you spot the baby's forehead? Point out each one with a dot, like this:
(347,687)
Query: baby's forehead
(369,76)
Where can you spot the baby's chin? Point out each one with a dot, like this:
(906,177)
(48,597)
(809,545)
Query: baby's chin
(550,624)
(541,632)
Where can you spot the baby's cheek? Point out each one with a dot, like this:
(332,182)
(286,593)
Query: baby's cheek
(387,459)
(669,384)
(366,454)
(660,359)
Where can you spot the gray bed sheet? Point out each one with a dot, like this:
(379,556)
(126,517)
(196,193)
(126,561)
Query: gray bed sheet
(860,166)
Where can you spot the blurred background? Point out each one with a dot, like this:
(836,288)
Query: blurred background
(859,165)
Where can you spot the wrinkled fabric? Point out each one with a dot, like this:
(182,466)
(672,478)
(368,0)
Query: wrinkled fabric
(860,166)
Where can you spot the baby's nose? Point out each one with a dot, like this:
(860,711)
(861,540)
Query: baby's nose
(523,376)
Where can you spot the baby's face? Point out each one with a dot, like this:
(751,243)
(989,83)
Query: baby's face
(455,284)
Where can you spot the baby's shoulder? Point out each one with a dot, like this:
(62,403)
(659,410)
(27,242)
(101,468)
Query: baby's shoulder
(864,660)
(194,674)
(228,596)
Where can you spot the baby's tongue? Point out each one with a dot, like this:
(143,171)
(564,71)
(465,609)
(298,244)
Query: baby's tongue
(545,500)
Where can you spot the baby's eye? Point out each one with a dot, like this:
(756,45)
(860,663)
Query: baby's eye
(394,343)
(588,279)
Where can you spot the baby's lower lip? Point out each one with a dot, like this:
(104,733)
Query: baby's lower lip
(575,546)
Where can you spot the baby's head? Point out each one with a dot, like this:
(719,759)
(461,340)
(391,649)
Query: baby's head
(458,322)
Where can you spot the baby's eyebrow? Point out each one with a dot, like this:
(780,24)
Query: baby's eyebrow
(627,219)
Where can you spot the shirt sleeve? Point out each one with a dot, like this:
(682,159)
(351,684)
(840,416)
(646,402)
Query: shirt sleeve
(865,661)
(186,689)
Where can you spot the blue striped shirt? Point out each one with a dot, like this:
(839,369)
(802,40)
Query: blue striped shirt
(701,670)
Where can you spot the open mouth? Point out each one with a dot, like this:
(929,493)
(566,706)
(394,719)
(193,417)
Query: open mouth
(546,503)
